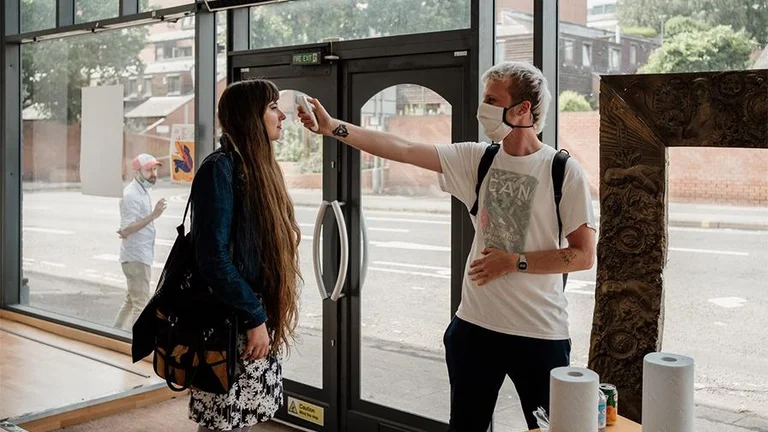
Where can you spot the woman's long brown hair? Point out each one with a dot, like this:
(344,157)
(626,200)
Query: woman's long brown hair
(274,233)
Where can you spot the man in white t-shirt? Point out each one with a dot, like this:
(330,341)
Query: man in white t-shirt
(137,231)
(512,320)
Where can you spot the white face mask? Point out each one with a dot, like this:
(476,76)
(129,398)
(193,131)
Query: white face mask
(494,121)
(143,181)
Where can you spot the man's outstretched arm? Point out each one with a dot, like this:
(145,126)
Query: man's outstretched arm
(381,144)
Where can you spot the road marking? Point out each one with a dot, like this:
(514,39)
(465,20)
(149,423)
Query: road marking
(720,324)
(416,266)
(582,292)
(116,258)
(53,264)
(412,273)
(394,230)
(422,221)
(708,251)
(48,230)
(399,245)
(410,246)
(750,233)
(160,242)
(729,302)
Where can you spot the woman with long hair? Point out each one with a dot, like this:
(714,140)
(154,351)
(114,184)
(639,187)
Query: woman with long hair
(246,247)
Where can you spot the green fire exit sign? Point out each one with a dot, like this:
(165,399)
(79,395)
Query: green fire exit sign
(310,58)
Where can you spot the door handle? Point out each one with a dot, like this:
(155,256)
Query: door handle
(343,239)
(365,250)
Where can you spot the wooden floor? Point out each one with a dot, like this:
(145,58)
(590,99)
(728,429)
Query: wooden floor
(44,374)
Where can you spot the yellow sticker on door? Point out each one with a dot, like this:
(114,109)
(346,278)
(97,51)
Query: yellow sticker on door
(306,411)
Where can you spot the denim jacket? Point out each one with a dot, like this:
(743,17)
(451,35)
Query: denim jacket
(230,267)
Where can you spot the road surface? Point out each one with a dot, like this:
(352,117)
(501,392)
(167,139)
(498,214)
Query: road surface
(715,286)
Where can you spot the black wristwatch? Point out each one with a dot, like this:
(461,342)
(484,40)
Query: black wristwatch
(522,263)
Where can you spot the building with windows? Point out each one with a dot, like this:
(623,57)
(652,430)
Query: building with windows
(584,52)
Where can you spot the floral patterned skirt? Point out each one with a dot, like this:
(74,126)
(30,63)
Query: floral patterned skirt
(254,398)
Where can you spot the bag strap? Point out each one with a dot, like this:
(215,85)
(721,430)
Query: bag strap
(181,228)
(558,175)
(482,171)
(188,382)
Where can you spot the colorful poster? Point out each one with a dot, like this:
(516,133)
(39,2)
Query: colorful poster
(182,153)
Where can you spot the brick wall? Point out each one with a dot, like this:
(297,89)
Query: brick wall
(701,175)
(51,151)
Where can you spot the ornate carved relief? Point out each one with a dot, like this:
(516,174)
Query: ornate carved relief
(640,116)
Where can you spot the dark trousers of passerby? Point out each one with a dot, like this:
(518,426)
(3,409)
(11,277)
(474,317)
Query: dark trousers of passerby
(478,361)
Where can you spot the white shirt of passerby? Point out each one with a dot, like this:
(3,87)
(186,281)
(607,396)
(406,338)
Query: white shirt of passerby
(137,204)
(516,213)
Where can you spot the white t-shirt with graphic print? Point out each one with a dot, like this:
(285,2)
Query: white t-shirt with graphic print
(516,213)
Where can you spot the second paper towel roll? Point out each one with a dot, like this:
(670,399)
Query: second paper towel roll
(573,400)
(667,393)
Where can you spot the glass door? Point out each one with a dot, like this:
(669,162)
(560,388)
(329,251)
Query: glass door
(371,357)
(401,300)
(310,170)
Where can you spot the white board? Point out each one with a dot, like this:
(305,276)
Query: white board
(101,141)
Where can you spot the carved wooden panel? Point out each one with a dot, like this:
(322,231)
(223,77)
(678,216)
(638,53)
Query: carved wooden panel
(640,116)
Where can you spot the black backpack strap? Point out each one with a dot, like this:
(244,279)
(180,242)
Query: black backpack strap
(482,170)
(558,175)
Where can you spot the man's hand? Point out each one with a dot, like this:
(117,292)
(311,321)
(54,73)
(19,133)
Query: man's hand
(122,234)
(494,264)
(159,208)
(325,123)
(257,345)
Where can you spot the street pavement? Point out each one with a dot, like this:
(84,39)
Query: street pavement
(715,290)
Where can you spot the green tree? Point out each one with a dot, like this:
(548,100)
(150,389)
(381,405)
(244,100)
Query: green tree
(293,23)
(53,72)
(570,101)
(694,47)
(750,15)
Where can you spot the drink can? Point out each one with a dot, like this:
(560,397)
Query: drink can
(601,411)
(612,403)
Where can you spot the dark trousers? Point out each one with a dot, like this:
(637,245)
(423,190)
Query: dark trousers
(478,360)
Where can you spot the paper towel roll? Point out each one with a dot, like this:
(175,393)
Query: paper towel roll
(573,400)
(667,393)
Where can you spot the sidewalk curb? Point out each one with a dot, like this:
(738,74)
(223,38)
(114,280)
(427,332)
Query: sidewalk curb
(707,224)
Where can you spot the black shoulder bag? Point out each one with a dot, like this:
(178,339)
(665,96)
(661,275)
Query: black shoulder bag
(193,335)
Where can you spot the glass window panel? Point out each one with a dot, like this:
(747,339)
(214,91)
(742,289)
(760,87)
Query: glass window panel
(94,10)
(310,21)
(72,253)
(409,259)
(146,5)
(37,15)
